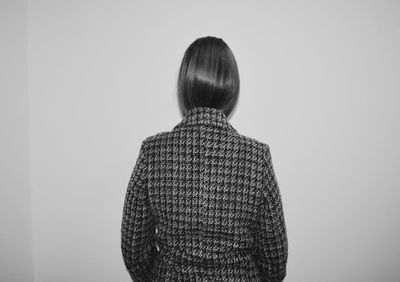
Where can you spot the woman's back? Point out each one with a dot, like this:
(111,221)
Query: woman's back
(213,197)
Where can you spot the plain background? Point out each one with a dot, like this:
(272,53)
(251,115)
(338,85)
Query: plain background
(84,82)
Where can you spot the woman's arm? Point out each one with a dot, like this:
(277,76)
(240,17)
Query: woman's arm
(138,228)
(271,243)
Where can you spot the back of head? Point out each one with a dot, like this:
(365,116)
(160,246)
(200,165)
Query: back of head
(208,76)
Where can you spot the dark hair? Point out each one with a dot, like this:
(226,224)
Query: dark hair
(208,76)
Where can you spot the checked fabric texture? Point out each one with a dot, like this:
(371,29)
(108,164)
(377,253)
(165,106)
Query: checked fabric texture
(203,204)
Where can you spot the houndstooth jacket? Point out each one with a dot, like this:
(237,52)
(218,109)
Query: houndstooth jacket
(203,204)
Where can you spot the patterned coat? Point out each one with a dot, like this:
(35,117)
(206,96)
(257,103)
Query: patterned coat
(203,204)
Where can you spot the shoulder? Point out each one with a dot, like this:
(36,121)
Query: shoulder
(154,138)
(253,142)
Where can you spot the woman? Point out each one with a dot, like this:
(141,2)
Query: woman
(203,202)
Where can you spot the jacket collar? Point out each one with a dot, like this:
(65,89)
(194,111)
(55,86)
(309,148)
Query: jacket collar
(206,116)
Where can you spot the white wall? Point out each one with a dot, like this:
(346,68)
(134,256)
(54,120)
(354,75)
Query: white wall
(319,84)
(16,262)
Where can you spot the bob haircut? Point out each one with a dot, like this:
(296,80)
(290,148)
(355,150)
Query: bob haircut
(208,76)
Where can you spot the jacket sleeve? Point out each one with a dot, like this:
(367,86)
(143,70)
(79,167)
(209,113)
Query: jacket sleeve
(138,228)
(271,243)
